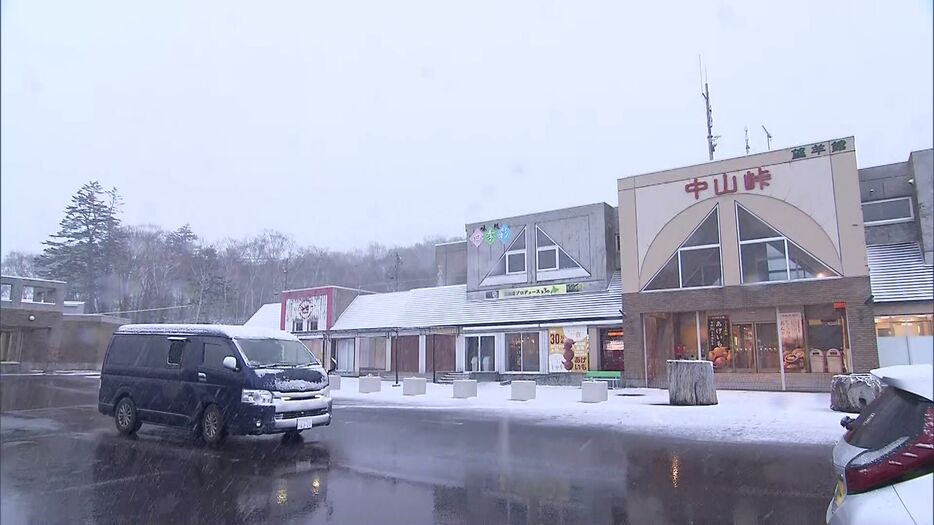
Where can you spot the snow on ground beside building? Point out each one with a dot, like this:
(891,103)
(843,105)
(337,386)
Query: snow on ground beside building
(740,416)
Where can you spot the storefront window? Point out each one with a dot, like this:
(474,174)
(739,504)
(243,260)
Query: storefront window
(825,338)
(697,261)
(905,326)
(742,346)
(480,353)
(612,347)
(523,352)
(766,255)
(372,352)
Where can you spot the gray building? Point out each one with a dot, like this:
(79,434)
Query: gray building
(897,214)
(40,330)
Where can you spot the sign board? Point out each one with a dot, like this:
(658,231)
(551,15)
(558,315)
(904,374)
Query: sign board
(791,331)
(545,289)
(568,349)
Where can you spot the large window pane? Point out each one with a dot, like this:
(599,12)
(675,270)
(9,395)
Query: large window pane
(700,267)
(548,259)
(530,352)
(515,262)
(707,233)
(763,262)
(767,354)
(514,352)
(667,278)
(803,266)
(487,356)
(473,354)
(751,228)
(890,210)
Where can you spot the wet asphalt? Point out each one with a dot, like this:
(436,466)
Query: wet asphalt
(63,462)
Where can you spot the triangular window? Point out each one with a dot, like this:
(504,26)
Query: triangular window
(765,255)
(697,261)
(512,262)
(551,257)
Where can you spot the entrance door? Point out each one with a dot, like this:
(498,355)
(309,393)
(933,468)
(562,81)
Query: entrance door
(744,346)
(480,353)
(612,350)
(767,354)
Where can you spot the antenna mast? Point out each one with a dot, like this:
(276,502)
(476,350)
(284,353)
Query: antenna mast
(711,139)
(746,129)
(768,138)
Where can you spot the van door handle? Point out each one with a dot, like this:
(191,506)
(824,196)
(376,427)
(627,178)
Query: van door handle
(202,376)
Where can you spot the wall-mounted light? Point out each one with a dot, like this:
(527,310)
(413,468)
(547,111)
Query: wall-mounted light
(32,317)
(911,181)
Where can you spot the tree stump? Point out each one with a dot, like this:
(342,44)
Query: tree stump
(691,382)
(852,392)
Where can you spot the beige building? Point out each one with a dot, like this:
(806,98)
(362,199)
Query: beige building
(756,263)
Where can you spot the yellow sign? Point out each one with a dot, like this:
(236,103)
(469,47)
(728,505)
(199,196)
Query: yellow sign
(568,349)
(549,289)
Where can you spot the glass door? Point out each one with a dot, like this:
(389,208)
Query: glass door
(767,354)
(744,348)
(480,353)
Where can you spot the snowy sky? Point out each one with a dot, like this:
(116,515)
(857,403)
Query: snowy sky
(343,123)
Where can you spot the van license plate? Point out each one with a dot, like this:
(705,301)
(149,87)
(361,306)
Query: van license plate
(303,423)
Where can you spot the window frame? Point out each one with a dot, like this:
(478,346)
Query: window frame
(522,347)
(176,341)
(525,264)
(479,337)
(538,259)
(911,211)
(677,254)
(785,243)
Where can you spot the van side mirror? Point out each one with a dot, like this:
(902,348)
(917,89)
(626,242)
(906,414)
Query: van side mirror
(230,363)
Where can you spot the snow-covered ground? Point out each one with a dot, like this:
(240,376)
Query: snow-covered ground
(741,416)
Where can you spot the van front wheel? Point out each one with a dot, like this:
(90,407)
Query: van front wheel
(125,416)
(213,429)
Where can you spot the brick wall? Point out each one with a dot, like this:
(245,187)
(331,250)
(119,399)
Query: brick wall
(853,290)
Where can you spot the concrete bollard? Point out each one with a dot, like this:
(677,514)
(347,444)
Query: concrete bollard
(594,391)
(523,390)
(414,386)
(464,388)
(370,384)
(334,381)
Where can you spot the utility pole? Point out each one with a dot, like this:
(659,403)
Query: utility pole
(711,139)
(768,138)
(396,265)
(746,129)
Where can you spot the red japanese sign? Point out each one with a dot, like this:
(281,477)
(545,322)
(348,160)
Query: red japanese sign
(723,183)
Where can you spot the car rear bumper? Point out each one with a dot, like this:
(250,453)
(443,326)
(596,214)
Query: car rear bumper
(878,506)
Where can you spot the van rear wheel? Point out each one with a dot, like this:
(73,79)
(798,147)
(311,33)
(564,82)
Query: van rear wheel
(126,418)
(213,428)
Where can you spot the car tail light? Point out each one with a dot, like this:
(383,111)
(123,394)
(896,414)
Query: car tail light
(904,458)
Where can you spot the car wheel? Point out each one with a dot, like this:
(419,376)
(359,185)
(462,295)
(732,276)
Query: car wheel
(125,417)
(213,429)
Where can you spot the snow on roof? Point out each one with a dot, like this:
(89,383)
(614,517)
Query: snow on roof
(449,306)
(242,332)
(897,273)
(268,316)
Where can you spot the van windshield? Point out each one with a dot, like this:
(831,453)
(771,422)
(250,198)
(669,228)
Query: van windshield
(276,352)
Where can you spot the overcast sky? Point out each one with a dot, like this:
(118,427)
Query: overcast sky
(344,123)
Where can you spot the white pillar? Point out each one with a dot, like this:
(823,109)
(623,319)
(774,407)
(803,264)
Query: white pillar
(543,350)
(388,353)
(500,352)
(356,358)
(460,353)
(421,353)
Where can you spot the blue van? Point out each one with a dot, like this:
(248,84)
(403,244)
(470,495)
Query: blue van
(213,380)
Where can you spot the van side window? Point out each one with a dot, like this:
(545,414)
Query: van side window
(215,353)
(124,350)
(175,352)
(155,351)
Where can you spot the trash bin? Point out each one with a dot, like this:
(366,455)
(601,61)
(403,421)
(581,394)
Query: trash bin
(834,361)
(818,361)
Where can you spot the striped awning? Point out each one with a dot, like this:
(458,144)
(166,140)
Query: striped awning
(897,273)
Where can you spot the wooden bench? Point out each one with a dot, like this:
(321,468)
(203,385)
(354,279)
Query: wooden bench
(612,378)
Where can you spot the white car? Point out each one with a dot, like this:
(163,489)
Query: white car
(885,462)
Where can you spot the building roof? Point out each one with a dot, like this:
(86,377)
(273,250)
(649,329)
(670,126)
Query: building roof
(219,330)
(449,306)
(268,316)
(897,273)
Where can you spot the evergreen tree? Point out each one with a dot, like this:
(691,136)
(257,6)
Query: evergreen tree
(87,246)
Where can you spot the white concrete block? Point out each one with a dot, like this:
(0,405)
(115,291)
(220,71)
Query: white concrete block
(414,386)
(523,390)
(334,381)
(370,384)
(464,388)
(594,391)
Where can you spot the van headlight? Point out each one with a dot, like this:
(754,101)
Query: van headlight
(256,397)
